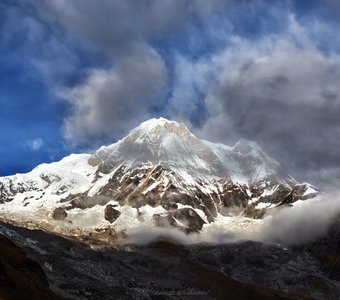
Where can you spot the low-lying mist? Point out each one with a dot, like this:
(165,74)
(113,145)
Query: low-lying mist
(289,225)
(302,223)
(213,235)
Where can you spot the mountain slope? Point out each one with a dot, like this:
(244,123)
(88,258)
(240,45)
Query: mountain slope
(159,174)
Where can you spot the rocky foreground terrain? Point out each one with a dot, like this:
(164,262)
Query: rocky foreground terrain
(21,277)
(163,270)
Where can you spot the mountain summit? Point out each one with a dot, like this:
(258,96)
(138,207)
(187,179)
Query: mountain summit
(159,174)
(160,141)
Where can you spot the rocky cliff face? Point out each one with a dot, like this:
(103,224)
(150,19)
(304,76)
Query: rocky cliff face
(159,174)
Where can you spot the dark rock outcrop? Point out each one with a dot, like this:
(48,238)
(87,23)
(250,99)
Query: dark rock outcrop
(83,201)
(279,195)
(111,214)
(164,220)
(297,193)
(59,214)
(234,195)
(189,218)
(251,212)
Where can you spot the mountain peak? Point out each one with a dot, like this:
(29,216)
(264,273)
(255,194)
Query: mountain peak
(156,129)
(154,122)
(244,145)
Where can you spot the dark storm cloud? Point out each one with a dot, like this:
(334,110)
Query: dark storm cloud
(115,24)
(286,97)
(110,101)
(114,99)
(270,112)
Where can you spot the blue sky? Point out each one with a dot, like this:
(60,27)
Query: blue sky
(77,74)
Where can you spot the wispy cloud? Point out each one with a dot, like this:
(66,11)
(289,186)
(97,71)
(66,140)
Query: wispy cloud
(35,144)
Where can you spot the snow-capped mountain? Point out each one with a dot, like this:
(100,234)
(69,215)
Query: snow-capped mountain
(160,174)
(159,141)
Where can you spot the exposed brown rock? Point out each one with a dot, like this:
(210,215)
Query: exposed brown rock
(83,201)
(279,195)
(59,214)
(188,217)
(234,195)
(132,187)
(164,220)
(256,190)
(297,194)
(111,214)
(251,212)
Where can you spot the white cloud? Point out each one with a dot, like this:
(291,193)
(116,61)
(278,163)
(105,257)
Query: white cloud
(35,144)
(111,101)
(303,223)
(279,90)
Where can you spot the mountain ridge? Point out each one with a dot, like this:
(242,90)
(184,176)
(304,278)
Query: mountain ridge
(163,141)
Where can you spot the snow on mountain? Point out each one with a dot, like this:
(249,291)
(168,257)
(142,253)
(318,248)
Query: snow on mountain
(159,141)
(159,174)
